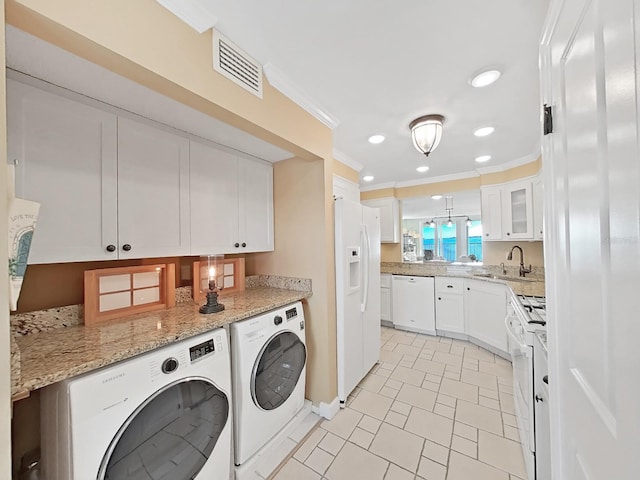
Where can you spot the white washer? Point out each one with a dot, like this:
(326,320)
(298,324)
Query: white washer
(161,415)
(269,365)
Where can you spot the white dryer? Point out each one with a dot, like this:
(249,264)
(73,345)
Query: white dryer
(161,415)
(268,364)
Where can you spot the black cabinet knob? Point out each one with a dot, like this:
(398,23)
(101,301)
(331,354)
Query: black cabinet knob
(111,248)
(486,234)
(439,298)
(508,233)
(126,247)
(539,399)
(244,244)
(236,244)
(468,288)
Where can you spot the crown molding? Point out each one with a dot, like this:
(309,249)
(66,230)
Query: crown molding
(347,160)
(191,12)
(379,186)
(532,157)
(281,82)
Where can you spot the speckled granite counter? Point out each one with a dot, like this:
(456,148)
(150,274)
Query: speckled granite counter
(49,356)
(531,285)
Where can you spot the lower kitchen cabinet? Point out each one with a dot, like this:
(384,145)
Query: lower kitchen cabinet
(485,311)
(385,297)
(413,304)
(449,300)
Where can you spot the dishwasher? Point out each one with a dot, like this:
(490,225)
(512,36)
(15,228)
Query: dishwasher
(413,304)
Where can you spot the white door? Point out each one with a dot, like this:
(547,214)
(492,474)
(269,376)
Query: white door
(214,200)
(591,164)
(66,159)
(153,191)
(255,232)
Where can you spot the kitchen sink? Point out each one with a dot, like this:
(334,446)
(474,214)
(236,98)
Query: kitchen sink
(504,277)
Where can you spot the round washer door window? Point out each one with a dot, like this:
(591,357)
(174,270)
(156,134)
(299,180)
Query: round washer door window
(277,370)
(170,436)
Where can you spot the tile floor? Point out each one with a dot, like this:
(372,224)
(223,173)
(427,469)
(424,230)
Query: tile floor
(434,409)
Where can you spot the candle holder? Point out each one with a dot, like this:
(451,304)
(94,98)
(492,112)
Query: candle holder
(214,268)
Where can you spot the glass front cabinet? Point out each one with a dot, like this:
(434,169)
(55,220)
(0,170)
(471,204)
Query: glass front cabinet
(517,221)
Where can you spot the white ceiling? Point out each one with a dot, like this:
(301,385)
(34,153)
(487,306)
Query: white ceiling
(464,203)
(375,66)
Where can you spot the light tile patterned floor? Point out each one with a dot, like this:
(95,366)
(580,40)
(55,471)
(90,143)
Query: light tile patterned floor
(433,409)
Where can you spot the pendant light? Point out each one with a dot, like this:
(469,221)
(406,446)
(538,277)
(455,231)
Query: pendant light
(426,133)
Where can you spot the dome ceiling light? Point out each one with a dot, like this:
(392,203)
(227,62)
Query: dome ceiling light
(426,133)
(375,139)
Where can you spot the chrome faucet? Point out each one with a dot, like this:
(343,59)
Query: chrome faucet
(504,270)
(523,271)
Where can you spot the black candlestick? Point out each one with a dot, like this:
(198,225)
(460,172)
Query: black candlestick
(212,305)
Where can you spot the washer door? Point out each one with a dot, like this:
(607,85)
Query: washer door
(170,436)
(277,370)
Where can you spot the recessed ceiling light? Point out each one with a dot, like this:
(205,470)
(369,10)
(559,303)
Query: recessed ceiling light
(436,197)
(375,139)
(422,168)
(483,158)
(485,78)
(484,131)
(367,178)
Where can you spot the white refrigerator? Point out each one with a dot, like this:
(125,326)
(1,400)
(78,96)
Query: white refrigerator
(357,245)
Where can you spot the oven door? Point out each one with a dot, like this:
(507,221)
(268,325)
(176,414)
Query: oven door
(522,359)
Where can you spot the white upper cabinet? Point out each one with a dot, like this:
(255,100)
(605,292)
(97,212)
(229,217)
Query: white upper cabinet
(66,159)
(153,191)
(492,212)
(389,218)
(231,202)
(517,218)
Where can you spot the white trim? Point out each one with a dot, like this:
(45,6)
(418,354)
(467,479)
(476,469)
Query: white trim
(279,80)
(327,410)
(191,12)
(509,165)
(347,160)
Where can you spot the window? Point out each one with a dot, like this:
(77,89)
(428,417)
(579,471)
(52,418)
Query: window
(451,242)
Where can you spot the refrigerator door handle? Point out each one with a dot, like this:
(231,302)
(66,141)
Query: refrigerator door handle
(365,270)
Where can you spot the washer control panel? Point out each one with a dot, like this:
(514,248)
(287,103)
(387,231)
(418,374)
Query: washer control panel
(198,351)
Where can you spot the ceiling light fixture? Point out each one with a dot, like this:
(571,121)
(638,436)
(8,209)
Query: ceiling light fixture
(485,78)
(483,158)
(422,169)
(367,178)
(426,133)
(436,197)
(484,131)
(469,223)
(375,139)
(448,202)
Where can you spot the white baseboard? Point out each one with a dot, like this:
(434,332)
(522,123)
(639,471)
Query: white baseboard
(327,410)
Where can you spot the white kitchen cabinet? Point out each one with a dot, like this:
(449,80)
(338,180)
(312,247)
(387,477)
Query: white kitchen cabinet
(492,212)
(231,202)
(109,187)
(389,218)
(538,208)
(449,301)
(485,311)
(153,191)
(517,213)
(66,159)
(385,297)
(413,303)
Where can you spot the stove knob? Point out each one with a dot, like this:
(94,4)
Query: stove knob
(277,320)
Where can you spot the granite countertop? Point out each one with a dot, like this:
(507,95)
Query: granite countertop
(47,357)
(531,285)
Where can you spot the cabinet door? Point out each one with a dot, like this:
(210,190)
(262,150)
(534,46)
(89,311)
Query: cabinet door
(255,188)
(413,303)
(485,311)
(538,209)
(385,304)
(517,211)
(66,160)
(389,218)
(450,312)
(492,212)
(213,176)
(153,191)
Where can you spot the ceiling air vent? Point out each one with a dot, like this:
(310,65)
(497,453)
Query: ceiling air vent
(236,65)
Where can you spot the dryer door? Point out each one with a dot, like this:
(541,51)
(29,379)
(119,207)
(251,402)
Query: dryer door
(277,370)
(170,436)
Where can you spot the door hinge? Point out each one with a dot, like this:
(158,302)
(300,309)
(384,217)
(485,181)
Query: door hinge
(548,119)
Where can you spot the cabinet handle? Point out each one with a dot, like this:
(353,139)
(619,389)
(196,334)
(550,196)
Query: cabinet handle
(126,247)
(540,232)
(508,233)
(539,398)
(545,379)
(111,248)
(449,286)
(236,244)
(486,234)
(468,288)
(244,244)
(439,298)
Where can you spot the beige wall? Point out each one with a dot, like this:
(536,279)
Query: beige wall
(300,251)
(345,171)
(526,170)
(5,374)
(494,253)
